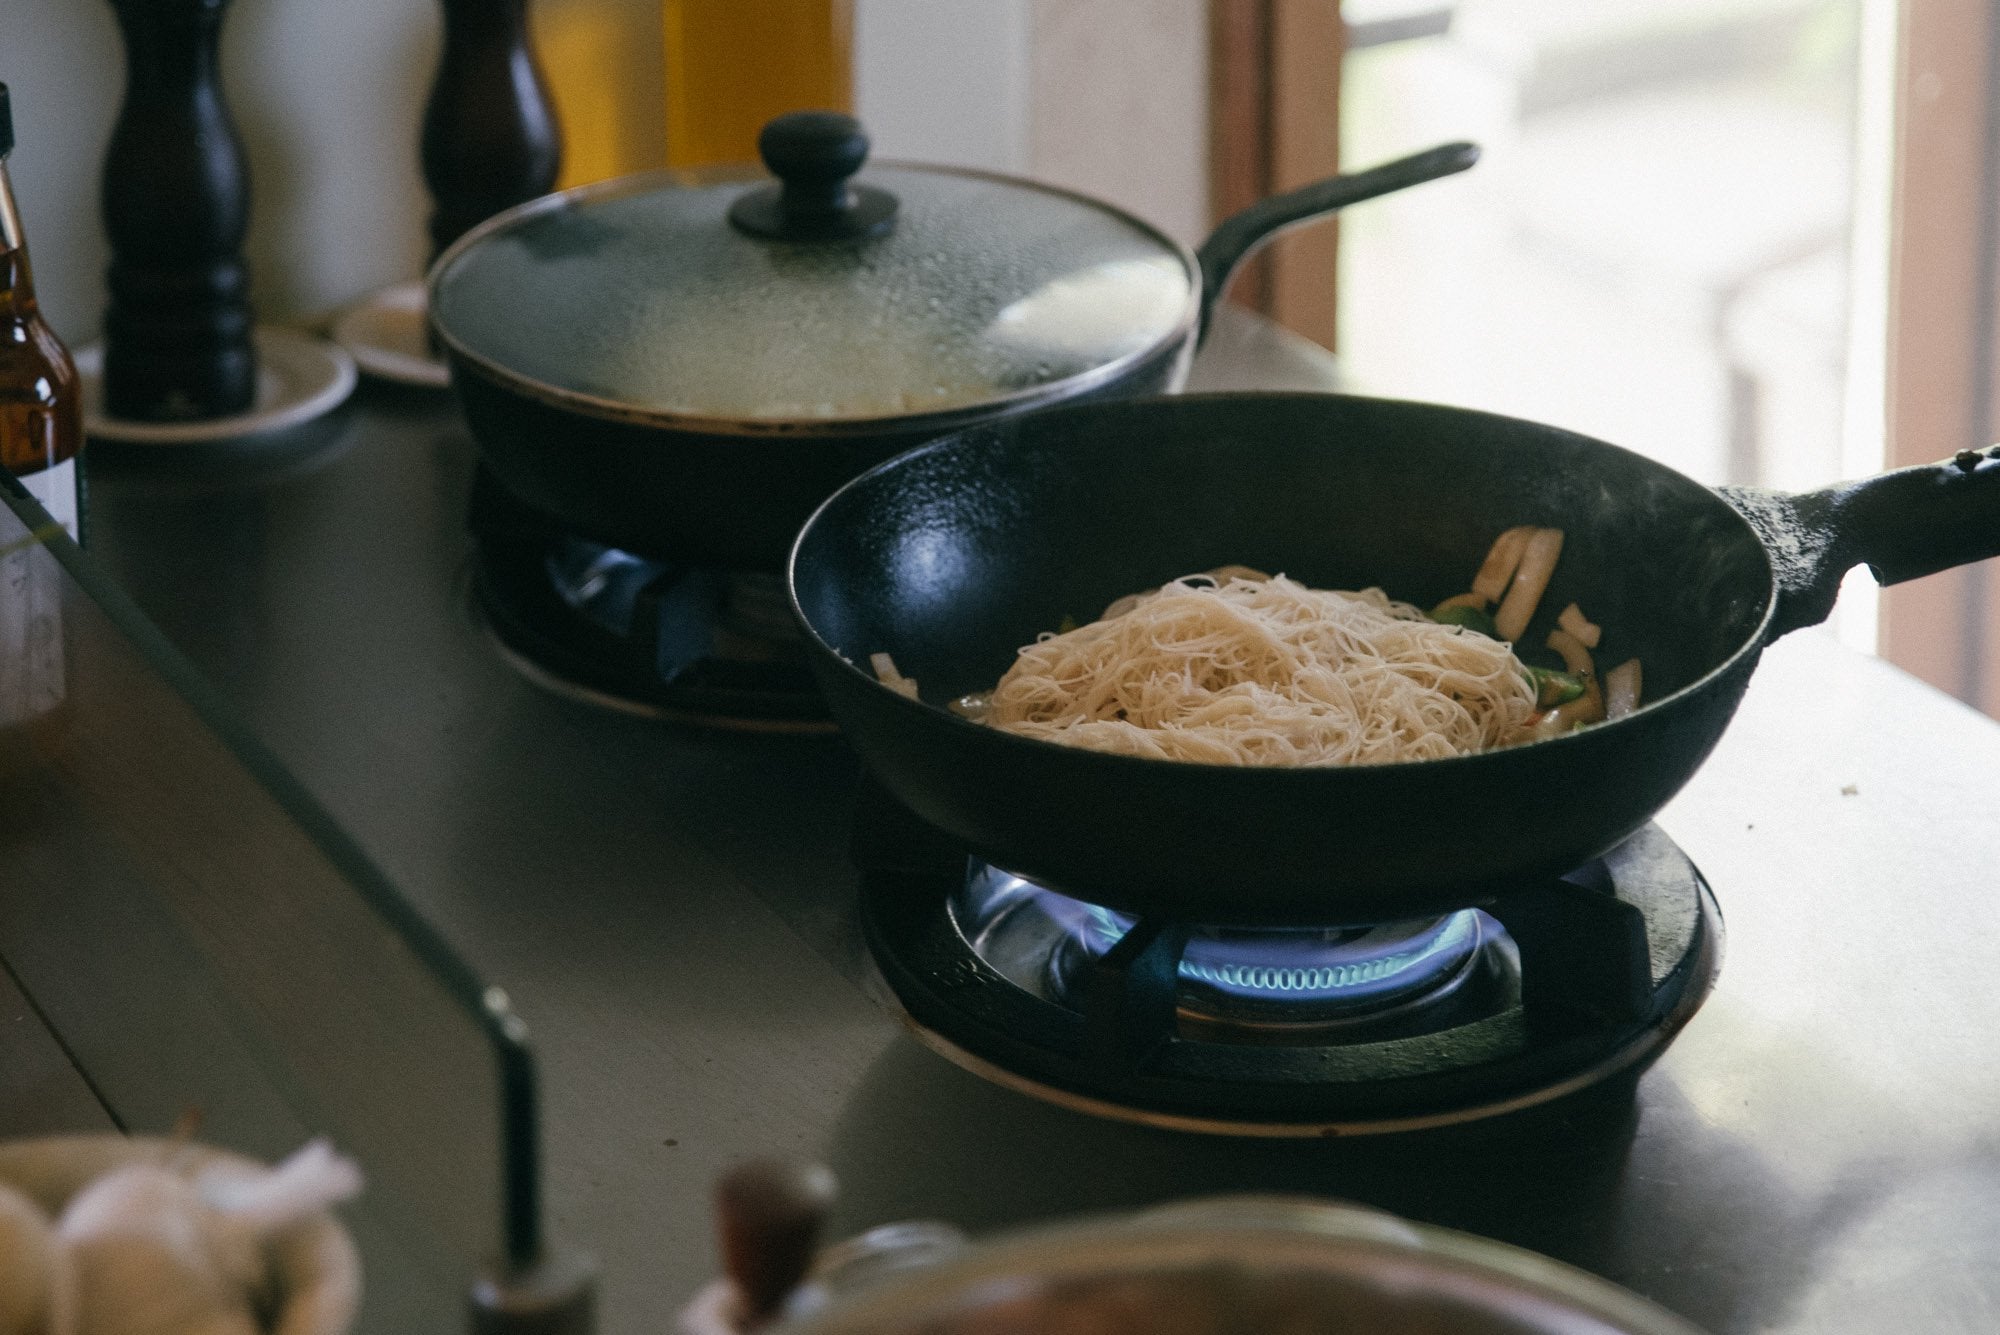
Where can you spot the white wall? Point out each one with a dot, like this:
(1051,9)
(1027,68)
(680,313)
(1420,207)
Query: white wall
(1105,96)
(62,65)
(1109,97)
(1119,106)
(944,80)
(327,97)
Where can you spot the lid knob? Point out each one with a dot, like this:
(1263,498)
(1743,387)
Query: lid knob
(813,153)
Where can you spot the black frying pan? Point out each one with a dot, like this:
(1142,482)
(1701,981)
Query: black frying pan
(953,555)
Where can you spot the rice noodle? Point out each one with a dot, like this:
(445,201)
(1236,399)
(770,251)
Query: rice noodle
(1252,671)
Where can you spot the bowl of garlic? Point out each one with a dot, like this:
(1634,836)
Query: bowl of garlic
(116,1235)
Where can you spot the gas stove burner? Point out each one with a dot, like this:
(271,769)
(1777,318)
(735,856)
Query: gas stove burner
(620,630)
(1532,997)
(1256,986)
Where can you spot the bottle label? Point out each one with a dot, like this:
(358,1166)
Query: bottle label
(55,488)
(32,680)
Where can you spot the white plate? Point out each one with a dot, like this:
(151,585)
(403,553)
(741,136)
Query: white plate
(299,377)
(389,334)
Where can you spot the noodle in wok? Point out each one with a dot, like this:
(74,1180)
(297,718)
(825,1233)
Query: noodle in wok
(1241,669)
(1236,667)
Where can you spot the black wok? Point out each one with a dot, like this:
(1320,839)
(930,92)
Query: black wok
(951,556)
(569,419)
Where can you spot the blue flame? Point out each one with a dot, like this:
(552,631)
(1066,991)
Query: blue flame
(1361,965)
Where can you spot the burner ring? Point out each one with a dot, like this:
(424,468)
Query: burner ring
(1552,1042)
(1252,985)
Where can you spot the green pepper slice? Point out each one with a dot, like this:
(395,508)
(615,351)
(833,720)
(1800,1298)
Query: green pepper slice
(1472,618)
(1554,688)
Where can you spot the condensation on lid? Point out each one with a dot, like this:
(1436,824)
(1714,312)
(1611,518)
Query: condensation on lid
(649,298)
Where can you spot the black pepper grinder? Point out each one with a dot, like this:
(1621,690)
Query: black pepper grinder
(176,202)
(490,138)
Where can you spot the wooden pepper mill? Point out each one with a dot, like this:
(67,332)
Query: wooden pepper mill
(490,138)
(176,203)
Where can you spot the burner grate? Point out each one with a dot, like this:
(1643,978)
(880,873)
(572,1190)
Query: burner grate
(1582,982)
(622,631)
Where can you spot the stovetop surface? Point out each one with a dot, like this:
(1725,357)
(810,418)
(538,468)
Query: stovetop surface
(672,911)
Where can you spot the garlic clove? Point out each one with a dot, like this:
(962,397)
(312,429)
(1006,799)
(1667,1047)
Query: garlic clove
(28,1267)
(146,1257)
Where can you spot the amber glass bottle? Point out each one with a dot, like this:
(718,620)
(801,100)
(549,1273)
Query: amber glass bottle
(733,65)
(41,399)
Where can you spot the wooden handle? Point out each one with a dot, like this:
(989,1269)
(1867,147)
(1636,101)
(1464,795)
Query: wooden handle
(769,1215)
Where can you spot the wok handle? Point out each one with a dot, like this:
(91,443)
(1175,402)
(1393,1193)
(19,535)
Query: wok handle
(1902,525)
(1240,234)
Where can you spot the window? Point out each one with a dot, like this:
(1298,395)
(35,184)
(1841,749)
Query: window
(1657,248)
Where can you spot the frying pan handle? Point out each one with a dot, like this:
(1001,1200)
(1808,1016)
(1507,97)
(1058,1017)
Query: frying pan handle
(1240,234)
(1901,525)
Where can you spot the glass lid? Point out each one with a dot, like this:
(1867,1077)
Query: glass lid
(910,291)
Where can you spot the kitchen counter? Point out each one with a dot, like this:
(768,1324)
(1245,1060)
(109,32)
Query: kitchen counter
(671,911)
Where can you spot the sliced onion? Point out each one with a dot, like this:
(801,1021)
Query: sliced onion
(1576,623)
(1538,562)
(1621,689)
(1501,560)
(886,673)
